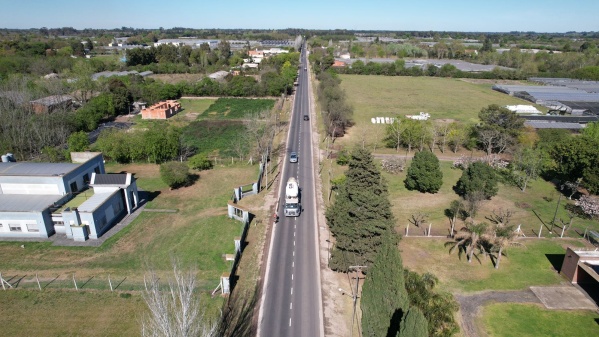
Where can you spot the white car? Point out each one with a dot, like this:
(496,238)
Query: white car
(293,157)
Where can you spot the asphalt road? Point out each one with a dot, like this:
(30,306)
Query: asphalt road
(292,300)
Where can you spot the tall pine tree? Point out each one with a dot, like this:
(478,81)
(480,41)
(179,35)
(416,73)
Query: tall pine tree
(384,297)
(413,324)
(360,218)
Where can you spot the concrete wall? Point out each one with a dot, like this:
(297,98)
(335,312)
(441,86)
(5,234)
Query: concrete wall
(77,175)
(38,220)
(570,265)
(103,217)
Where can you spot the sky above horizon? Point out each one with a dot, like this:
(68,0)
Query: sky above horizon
(552,16)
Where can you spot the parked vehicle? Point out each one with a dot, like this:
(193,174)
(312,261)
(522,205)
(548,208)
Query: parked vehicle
(292,198)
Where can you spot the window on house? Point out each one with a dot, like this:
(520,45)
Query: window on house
(102,222)
(32,228)
(14,227)
(74,187)
(58,223)
(86,178)
(97,170)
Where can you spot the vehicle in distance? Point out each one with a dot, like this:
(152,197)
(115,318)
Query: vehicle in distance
(292,201)
(306,117)
(293,157)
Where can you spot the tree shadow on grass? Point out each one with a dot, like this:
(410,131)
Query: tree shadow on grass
(556,260)
(238,314)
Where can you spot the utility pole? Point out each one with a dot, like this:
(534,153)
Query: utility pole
(358,270)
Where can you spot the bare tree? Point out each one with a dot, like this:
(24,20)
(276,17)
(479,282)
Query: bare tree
(501,218)
(440,133)
(418,219)
(176,310)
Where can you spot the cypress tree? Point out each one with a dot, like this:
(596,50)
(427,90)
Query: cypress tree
(413,324)
(424,173)
(384,297)
(361,217)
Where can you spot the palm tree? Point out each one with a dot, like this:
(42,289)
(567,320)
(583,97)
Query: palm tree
(470,237)
(504,237)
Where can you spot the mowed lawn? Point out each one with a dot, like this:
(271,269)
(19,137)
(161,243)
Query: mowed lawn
(397,96)
(531,264)
(516,320)
(70,313)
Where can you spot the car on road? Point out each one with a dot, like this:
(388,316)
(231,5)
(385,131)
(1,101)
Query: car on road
(293,157)
(306,117)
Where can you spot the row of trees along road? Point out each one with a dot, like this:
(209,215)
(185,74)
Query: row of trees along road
(362,223)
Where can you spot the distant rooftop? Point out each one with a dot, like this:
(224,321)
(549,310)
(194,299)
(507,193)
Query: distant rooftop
(36,169)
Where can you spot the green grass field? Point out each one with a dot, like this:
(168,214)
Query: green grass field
(69,313)
(213,137)
(396,96)
(530,209)
(517,320)
(236,108)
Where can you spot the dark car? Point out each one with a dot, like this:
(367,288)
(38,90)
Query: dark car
(293,157)
(306,117)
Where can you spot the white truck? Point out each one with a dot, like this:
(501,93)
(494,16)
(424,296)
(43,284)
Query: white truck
(292,200)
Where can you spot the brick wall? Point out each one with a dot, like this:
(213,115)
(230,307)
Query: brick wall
(162,110)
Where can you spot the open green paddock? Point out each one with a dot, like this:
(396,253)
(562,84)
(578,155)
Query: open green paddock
(516,320)
(397,96)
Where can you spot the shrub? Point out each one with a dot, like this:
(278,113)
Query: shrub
(200,162)
(174,174)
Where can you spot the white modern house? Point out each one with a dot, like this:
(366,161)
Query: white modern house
(77,199)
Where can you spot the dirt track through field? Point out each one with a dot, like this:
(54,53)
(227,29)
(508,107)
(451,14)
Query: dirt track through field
(470,306)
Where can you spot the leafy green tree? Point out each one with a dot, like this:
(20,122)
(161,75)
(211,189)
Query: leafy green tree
(360,217)
(200,162)
(384,298)
(478,177)
(439,308)
(424,173)
(78,141)
(174,174)
(499,129)
(578,158)
(413,324)
(113,144)
(527,165)
(504,237)
(453,212)
(591,131)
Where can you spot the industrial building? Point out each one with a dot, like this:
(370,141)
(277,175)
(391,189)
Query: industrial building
(79,200)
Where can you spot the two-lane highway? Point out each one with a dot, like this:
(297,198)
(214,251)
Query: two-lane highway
(291,302)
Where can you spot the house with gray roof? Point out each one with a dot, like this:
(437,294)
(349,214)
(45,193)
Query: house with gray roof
(79,200)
